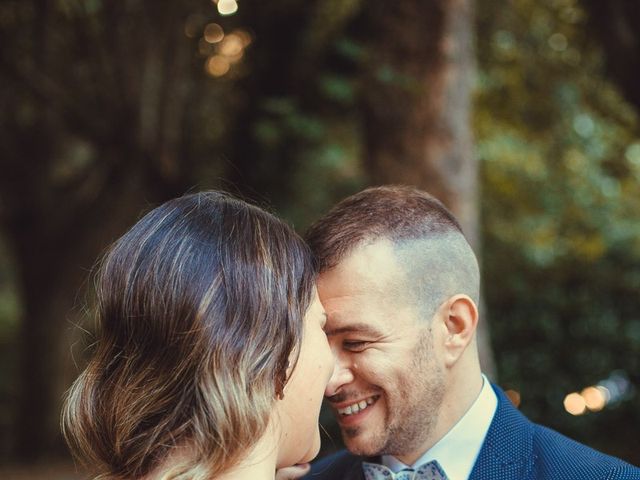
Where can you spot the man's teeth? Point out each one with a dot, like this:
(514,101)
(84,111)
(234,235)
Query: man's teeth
(356,407)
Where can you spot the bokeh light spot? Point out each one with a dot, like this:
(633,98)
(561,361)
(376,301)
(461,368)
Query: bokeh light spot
(227,7)
(558,42)
(217,66)
(583,125)
(594,398)
(632,153)
(231,45)
(514,396)
(575,404)
(213,33)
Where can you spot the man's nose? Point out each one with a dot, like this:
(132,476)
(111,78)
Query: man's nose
(342,375)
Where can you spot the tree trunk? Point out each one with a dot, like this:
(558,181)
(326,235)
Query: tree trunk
(47,306)
(55,264)
(59,212)
(616,24)
(417,108)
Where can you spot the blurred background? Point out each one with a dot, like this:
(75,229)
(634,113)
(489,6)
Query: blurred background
(521,115)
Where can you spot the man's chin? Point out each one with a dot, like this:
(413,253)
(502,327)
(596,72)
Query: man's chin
(361,444)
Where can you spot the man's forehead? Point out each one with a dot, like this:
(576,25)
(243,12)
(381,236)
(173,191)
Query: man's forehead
(368,268)
(378,253)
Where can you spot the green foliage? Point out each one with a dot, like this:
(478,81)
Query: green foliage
(325,165)
(561,215)
(337,88)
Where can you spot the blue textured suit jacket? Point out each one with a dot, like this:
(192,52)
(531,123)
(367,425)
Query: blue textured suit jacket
(514,449)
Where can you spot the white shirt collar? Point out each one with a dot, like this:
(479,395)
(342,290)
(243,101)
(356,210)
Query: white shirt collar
(458,450)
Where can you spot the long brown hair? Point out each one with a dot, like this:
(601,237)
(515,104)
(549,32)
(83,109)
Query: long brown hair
(199,307)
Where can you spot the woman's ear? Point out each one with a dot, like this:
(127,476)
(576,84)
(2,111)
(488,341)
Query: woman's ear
(281,385)
(283,379)
(460,318)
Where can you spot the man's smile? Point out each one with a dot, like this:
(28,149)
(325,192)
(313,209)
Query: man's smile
(358,406)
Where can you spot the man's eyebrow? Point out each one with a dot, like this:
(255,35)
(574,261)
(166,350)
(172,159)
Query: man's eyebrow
(363,328)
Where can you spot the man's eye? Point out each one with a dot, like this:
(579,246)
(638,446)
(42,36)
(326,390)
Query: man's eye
(355,345)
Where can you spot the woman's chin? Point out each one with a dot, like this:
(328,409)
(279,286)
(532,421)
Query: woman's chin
(314,449)
(294,455)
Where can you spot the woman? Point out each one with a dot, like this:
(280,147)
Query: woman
(210,361)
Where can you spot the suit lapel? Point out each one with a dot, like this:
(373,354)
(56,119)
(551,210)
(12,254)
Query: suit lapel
(507,451)
(355,472)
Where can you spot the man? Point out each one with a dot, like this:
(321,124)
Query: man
(400,286)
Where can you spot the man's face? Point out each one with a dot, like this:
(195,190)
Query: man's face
(389,383)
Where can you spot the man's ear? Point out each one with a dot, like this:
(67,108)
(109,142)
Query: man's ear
(460,315)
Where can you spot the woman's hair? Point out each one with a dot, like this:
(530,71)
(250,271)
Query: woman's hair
(199,307)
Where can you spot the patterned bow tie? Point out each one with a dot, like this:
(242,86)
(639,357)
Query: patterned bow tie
(428,471)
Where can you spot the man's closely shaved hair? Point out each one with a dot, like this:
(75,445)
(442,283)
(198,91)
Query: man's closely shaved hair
(427,238)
